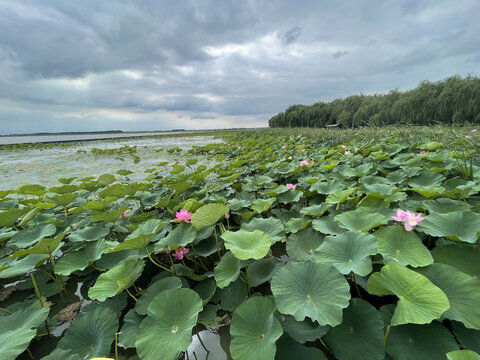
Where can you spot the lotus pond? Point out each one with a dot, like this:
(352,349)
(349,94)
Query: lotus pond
(265,245)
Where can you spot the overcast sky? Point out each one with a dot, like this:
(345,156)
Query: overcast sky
(159,65)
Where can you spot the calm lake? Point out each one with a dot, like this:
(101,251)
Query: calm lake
(45,165)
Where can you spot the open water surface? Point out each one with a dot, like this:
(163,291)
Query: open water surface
(44,165)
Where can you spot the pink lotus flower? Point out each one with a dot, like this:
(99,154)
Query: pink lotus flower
(239,148)
(180,252)
(227,215)
(344,147)
(423,152)
(125,214)
(291,186)
(474,130)
(179,162)
(304,163)
(408,218)
(183,215)
(211,152)
(468,137)
(303,150)
(284,146)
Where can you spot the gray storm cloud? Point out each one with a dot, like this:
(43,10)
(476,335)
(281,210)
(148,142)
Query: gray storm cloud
(97,65)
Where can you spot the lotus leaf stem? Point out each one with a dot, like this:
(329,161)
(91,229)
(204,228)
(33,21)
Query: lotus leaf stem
(216,242)
(356,286)
(173,265)
(200,339)
(386,336)
(5,310)
(131,295)
(30,354)
(157,264)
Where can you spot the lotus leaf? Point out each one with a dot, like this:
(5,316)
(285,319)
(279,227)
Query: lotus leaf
(360,220)
(309,289)
(462,291)
(348,252)
(167,329)
(426,342)
(360,335)
(208,215)
(116,280)
(168,283)
(457,225)
(247,245)
(420,301)
(254,330)
(227,270)
(405,247)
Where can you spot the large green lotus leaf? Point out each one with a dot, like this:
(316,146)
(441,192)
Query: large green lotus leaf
(247,245)
(271,226)
(262,270)
(315,210)
(360,335)
(120,190)
(63,200)
(415,342)
(44,246)
(419,302)
(405,247)
(89,335)
(182,235)
(339,197)
(309,289)
(262,205)
(206,289)
(458,225)
(468,338)
(208,215)
(79,260)
(327,225)
(426,178)
(131,321)
(303,244)
(169,283)
(227,270)
(462,256)
(444,205)
(167,329)
(462,291)
(288,349)
(6,233)
(64,189)
(30,317)
(295,224)
(142,236)
(109,216)
(28,237)
(348,252)
(381,189)
(360,220)
(15,342)
(231,296)
(116,280)
(31,189)
(91,233)
(327,187)
(10,217)
(254,330)
(302,331)
(290,196)
(463,355)
(23,266)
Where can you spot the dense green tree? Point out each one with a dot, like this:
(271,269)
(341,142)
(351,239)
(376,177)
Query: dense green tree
(454,100)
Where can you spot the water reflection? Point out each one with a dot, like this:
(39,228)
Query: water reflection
(216,343)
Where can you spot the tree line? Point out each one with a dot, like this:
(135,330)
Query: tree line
(454,100)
